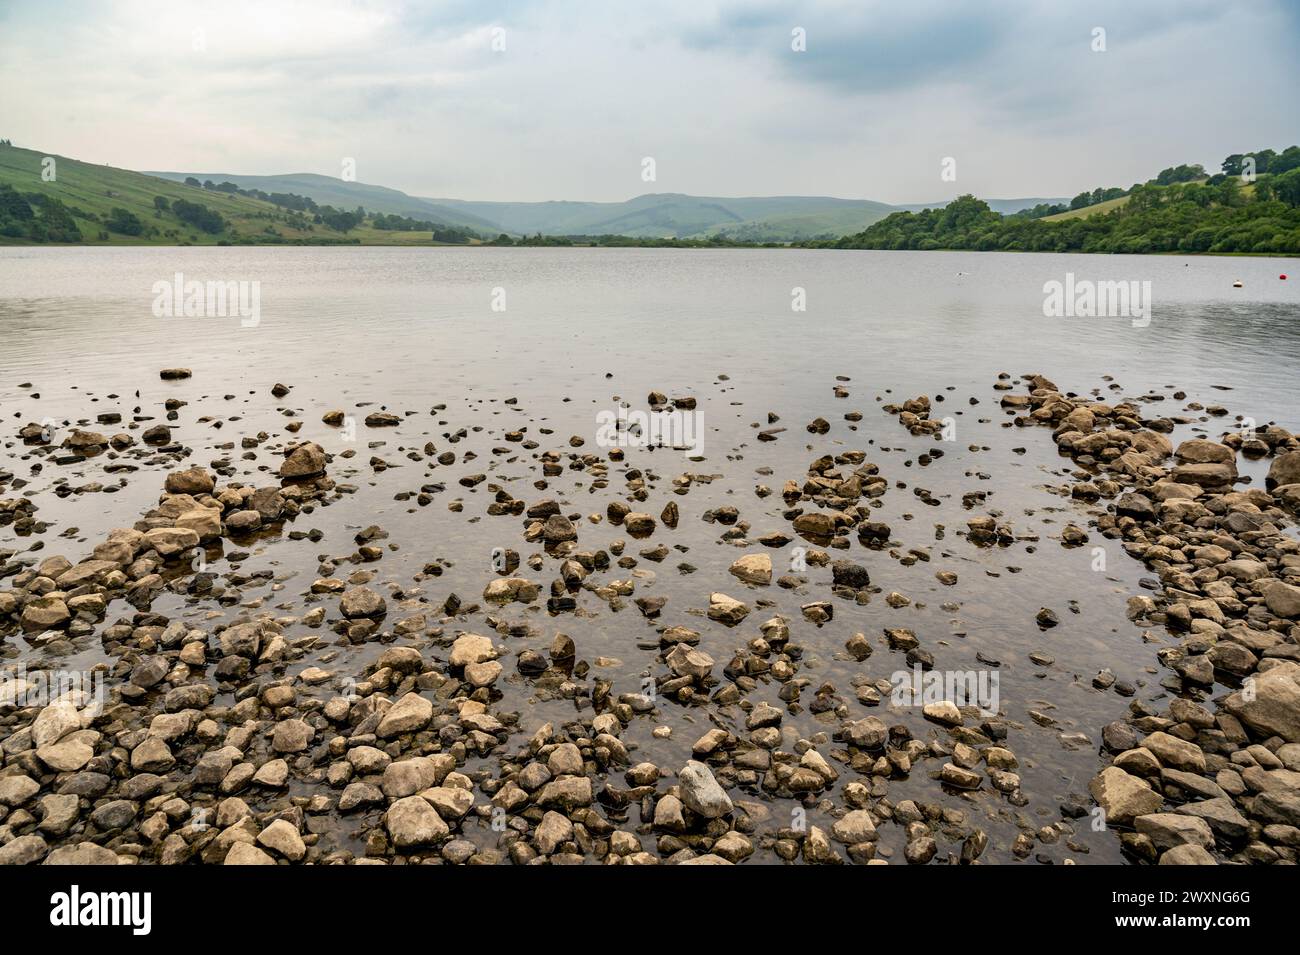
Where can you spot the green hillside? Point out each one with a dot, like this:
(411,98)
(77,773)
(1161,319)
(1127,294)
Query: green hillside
(345,195)
(90,194)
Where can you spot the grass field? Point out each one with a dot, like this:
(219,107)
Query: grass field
(1099,209)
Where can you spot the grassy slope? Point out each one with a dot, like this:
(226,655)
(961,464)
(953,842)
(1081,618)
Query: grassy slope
(99,189)
(1110,205)
(1100,208)
(342,194)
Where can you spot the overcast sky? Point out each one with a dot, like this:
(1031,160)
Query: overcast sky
(417,94)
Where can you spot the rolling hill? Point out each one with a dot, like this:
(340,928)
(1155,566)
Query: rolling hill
(654,215)
(343,194)
(92,192)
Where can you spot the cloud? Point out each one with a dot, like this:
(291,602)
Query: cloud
(417,94)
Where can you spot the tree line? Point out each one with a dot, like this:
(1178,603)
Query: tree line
(1180,210)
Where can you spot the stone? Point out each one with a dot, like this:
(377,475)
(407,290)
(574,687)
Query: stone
(1174,752)
(55,722)
(1200,451)
(1273,708)
(83,853)
(362,602)
(65,757)
(304,461)
(471,648)
(282,836)
(170,541)
(192,481)
(854,827)
(273,774)
(685,660)
(116,814)
(1285,469)
(1211,476)
(753,569)
(292,736)
(566,793)
(153,755)
(24,850)
(700,791)
(359,794)
(727,610)
(59,813)
(483,674)
(45,613)
(16,790)
(411,821)
(553,830)
(409,714)
(1187,854)
(944,712)
(451,802)
(1282,598)
(1169,829)
(409,776)
(868,733)
(243,853)
(1123,797)
(1221,814)
(241,639)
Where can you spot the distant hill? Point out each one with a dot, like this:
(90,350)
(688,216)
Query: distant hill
(654,215)
(775,218)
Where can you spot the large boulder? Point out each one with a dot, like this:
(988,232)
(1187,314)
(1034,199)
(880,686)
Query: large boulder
(412,712)
(1281,598)
(1284,470)
(412,822)
(1213,475)
(700,792)
(1200,451)
(753,569)
(307,460)
(190,481)
(1123,797)
(1270,702)
(361,602)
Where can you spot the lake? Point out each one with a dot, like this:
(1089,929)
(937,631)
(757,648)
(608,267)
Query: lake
(542,341)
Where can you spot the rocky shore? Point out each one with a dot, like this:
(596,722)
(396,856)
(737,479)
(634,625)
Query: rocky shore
(1204,777)
(237,730)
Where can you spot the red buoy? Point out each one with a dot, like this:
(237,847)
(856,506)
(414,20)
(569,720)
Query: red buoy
(1282,276)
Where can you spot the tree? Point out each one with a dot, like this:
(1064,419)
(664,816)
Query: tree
(199,216)
(191,181)
(161,204)
(1286,187)
(124,222)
